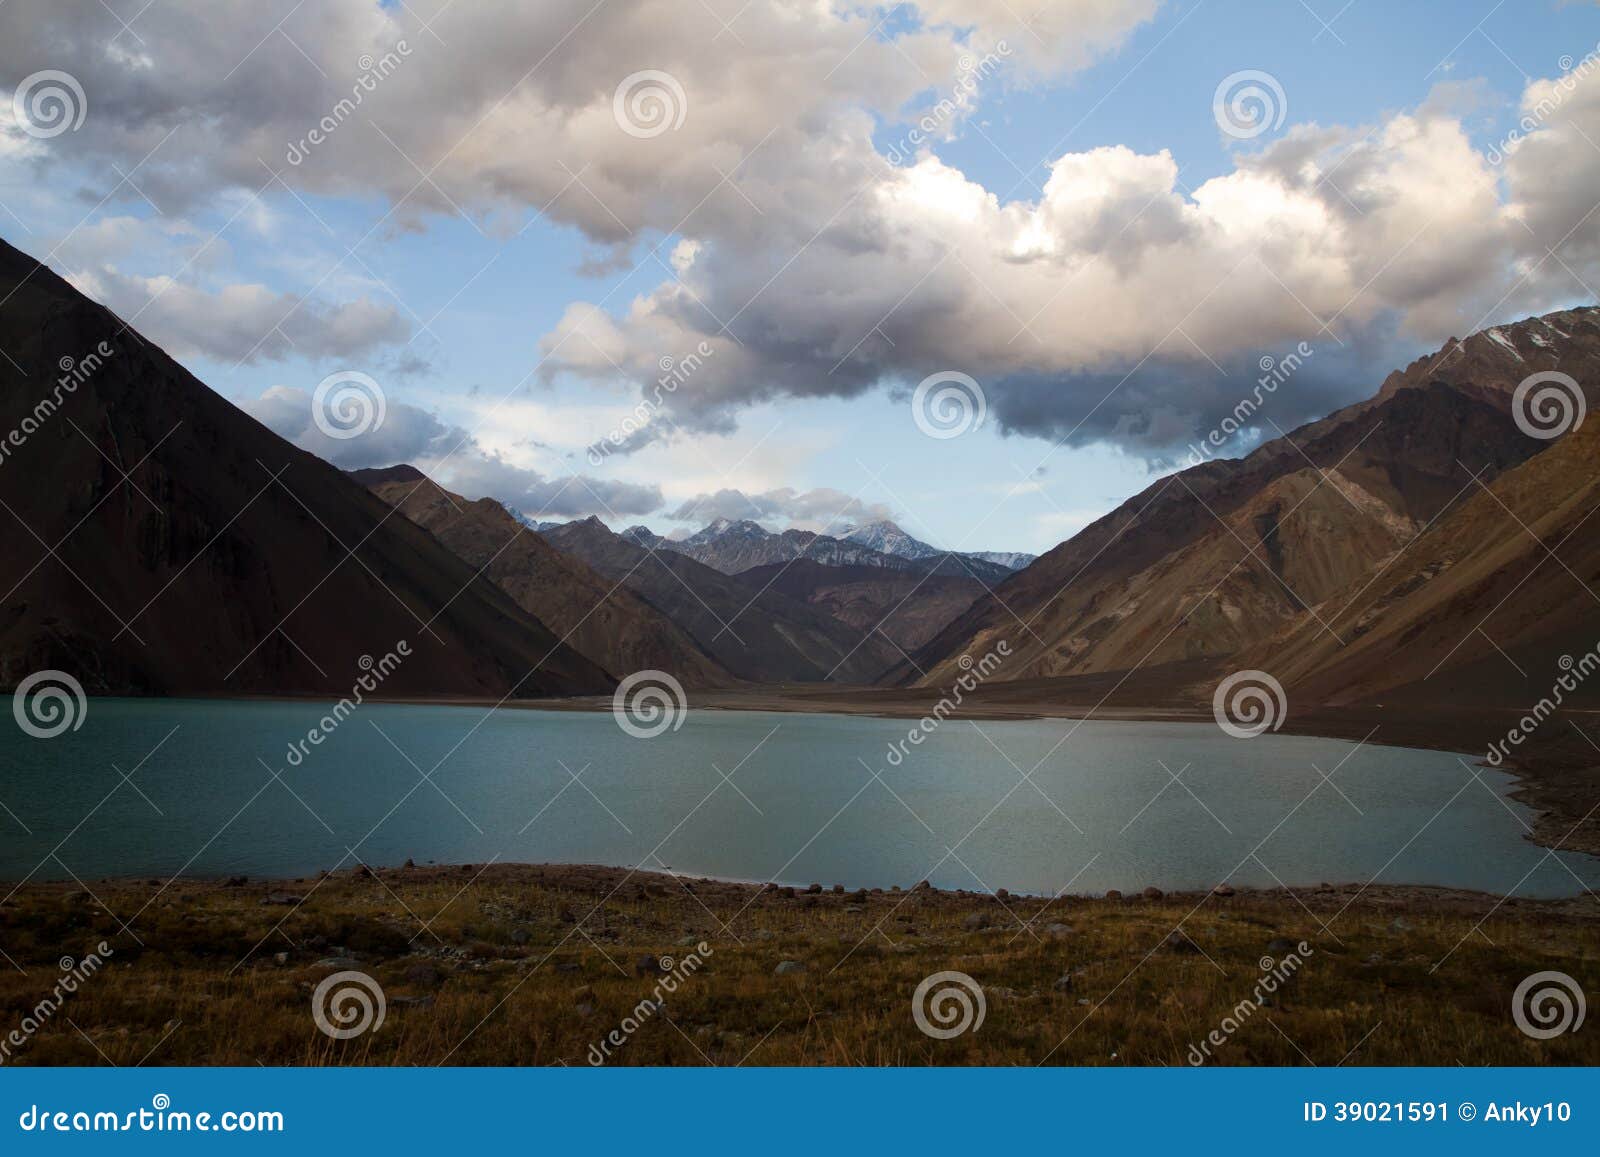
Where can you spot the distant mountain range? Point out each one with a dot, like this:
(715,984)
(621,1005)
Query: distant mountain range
(734,546)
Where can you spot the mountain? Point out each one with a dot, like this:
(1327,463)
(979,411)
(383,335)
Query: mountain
(1488,608)
(162,541)
(734,547)
(887,537)
(754,632)
(600,618)
(907,607)
(1212,561)
(1010,559)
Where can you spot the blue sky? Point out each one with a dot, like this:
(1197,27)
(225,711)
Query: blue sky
(453,312)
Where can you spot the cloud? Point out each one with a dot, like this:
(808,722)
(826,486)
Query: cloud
(823,509)
(1112,302)
(451,456)
(242,322)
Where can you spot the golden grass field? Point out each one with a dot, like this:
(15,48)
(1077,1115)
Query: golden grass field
(521,965)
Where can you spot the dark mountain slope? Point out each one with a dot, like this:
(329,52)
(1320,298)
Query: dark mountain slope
(600,617)
(224,563)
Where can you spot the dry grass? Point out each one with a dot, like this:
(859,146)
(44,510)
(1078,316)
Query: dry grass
(532,966)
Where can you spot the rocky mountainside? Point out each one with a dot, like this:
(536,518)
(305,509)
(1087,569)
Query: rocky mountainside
(753,631)
(1490,607)
(163,542)
(734,547)
(906,607)
(1216,559)
(600,617)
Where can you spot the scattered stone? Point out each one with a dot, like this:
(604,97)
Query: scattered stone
(924,886)
(238,881)
(1113,895)
(341,963)
(647,966)
(1223,890)
(280,958)
(788,968)
(1002,894)
(975,921)
(363,872)
(284,899)
(410,863)
(519,936)
(1154,893)
(1281,944)
(411,1002)
(1057,931)
(814,889)
(854,908)
(1399,925)
(786,893)
(1063,982)
(688,941)
(763,934)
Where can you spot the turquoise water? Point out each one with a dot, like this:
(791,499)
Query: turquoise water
(800,805)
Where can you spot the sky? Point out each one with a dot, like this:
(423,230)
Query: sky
(985,267)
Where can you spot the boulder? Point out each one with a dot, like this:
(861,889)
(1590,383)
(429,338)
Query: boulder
(788,968)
